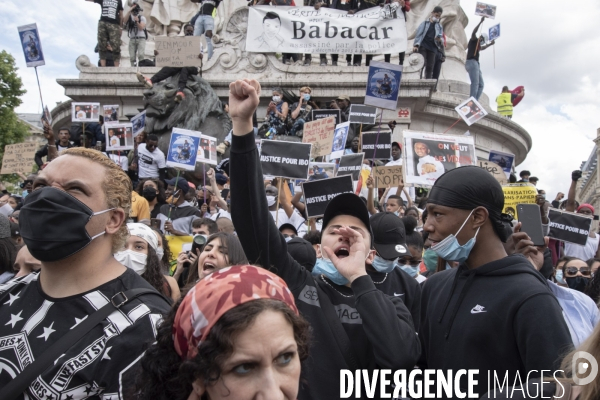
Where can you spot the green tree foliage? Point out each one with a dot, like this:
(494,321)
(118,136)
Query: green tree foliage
(12,130)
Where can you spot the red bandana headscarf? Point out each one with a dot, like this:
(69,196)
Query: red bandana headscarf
(218,293)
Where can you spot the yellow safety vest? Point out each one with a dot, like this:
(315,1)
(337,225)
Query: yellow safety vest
(504,102)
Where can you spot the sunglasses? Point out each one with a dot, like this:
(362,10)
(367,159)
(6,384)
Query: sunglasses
(585,271)
(408,262)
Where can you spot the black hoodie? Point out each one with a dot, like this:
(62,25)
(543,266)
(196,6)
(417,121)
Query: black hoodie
(499,317)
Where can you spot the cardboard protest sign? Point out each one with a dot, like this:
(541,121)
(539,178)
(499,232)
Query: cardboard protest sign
(320,134)
(569,227)
(485,10)
(494,32)
(85,112)
(111,114)
(318,194)
(389,176)
(183,149)
(494,170)
(377,145)
(383,85)
(285,159)
(31,44)
(517,193)
(504,160)
(207,151)
(139,123)
(319,170)
(177,51)
(118,137)
(18,158)
(361,114)
(471,111)
(327,30)
(339,140)
(326,113)
(428,155)
(351,164)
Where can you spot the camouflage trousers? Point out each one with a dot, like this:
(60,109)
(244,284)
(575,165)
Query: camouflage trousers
(109,33)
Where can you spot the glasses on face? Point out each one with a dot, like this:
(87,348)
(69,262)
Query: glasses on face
(572,271)
(412,263)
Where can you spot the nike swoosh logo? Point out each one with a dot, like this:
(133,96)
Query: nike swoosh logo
(477,312)
(396,294)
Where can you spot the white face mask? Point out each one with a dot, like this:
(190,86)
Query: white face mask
(270,200)
(276,99)
(132,259)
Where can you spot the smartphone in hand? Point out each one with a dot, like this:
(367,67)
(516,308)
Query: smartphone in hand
(531,222)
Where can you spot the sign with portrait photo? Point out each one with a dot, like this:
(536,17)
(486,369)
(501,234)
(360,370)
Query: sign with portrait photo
(139,123)
(118,137)
(111,114)
(318,194)
(319,170)
(339,140)
(31,45)
(383,85)
(504,160)
(207,151)
(285,159)
(183,149)
(85,112)
(485,10)
(427,156)
(494,32)
(471,111)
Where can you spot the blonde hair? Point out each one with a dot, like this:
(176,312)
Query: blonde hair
(117,188)
(306,89)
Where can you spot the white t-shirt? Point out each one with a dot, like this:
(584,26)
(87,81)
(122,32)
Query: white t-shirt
(296,219)
(150,163)
(394,190)
(220,214)
(121,161)
(583,252)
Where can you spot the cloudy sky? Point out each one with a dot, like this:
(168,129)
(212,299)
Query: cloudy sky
(550,47)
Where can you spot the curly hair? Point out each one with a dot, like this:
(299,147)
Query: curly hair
(166,258)
(165,376)
(117,188)
(160,197)
(154,275)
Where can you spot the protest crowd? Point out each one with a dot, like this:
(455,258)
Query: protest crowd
(122,279)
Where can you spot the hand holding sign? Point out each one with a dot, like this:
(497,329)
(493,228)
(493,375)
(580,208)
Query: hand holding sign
(243,100)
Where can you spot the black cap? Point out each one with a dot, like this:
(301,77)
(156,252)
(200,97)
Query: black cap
(303,252)
(389,235)
(181,184)
(288,226)
(347,204)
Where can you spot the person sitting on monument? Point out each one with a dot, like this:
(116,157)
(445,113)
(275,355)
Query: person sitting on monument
(277,113)
(301,111)
(167,72)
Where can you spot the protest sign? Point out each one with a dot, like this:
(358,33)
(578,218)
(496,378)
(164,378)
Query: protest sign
(351,164)
(361,114)
(320,134)
(326,113)
(31,44)
(139,123)
(494,32)
(18,158)
(318,194)
(471,111)
(285,159)
(183,149)
(111,114)
(326,30)
(485,10)
(319,170)
(390,176)
(517,193)
(569,227)
(85,112)
(118,137)
(383,85)
(339,140)
(494,170)
(504,160)
(177,51)
(428,155)
(207,151)
(376,147)
(46,116)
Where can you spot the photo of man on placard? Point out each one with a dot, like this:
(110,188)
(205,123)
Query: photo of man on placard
(270,38)
(426,164)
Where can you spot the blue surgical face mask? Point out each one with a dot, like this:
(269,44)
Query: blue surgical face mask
(559,277)
(409,269)
(25,193)
(450,250)
(382,265)
(306,96)
(325,266)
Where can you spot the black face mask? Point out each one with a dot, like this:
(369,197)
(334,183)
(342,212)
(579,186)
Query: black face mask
(577,283)
(149,193)
(52,224)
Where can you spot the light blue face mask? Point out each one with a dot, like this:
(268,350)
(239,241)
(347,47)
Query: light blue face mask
(24,194)
(382,265)
(325,266)
(450,250)
(306,96)
(409,269)
(559,277)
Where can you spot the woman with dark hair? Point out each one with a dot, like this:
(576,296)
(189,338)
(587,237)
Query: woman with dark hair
(236,335)
(593,263)
(163,251)
(410,263)
(152,190)
(593,288)
(220,250)
(8,251)
(140,255)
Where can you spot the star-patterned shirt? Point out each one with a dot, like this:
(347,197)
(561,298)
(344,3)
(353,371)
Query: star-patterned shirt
(102,365)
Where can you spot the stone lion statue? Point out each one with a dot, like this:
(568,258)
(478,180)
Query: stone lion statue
(200,110)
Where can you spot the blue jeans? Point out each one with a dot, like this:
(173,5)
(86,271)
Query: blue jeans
(205,23)
(474,70)
(297,126)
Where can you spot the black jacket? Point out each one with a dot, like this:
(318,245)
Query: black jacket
(379,326)
(43,152)
(499,317)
